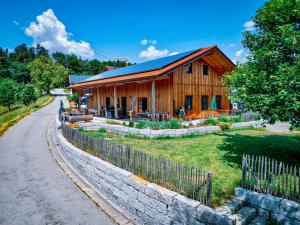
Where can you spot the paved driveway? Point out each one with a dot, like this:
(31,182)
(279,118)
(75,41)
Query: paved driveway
(33,189)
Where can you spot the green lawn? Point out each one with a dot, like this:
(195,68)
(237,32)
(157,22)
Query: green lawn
(19,111)
(219,153)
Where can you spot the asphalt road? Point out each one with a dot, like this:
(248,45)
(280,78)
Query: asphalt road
(33,189)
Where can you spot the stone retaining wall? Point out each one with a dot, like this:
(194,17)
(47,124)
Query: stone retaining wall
(146,202)
(281,210)
(119,129)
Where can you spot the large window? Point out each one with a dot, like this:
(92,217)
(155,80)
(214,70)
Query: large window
(189,69)
(204,102)
(205,69)
(188,102)
(219,101)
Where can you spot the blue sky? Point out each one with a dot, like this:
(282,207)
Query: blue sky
(118,28)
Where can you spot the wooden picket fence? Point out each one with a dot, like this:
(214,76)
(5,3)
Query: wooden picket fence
(269,176)
(188,181)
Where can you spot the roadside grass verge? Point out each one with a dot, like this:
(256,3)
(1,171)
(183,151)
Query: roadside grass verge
(221,153)
(9,118)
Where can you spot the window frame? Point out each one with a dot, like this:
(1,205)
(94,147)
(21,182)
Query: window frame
(189,69)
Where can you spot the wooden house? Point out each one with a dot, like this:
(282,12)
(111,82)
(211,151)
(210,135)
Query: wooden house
(188,80)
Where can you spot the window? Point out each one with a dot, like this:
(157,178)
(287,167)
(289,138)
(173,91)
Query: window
(204,102)
(219,101)
(107,101)
(188,102)
(189,69)
(205,69)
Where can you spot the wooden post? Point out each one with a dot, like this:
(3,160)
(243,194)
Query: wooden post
(209,188)
(98,101)
(115,101)
(153,99)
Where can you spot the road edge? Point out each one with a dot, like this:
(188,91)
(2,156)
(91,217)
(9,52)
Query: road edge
(103,203)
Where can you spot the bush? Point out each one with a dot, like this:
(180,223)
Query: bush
(210,121)
(175,124)
(224,119)
(237,119)
(8,92)
(113,122)
(131,124)
(224,125)
(102,130)
(140,124)
(28,94)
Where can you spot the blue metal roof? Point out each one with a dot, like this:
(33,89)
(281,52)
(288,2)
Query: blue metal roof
(142,67)
(73,79)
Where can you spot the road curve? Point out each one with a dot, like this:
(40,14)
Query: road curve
(33,189)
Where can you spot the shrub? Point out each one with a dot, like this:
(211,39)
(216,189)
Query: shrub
(224,119)
(102,130)
(140,124)
(131,124)
(210,121)
(8,92)
(237,119)
(175,124)
(224,125)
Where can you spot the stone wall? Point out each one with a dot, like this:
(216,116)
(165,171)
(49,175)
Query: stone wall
(281,210)
(119,129)
(146,202)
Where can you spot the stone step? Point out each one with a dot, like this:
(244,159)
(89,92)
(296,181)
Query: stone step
(260,220)
(244,215)
(231,206)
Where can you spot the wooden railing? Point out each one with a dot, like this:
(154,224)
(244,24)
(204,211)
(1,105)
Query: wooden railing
(191,182)
(269,176)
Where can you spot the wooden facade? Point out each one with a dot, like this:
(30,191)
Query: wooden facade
(171,90)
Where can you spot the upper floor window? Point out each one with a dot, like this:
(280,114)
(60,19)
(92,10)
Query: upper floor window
(205,69)
(189,69)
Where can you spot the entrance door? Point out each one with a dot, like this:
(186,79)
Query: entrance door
(143,103)
(123,106)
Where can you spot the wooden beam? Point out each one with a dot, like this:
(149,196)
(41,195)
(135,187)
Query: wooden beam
(115,101)
(98,100)
(153,98)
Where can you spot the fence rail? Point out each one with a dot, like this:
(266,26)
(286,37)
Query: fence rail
(269,176)
(191,182)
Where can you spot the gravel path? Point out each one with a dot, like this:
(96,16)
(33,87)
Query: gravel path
(33,189)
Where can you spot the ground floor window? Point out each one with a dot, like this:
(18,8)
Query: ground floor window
(219,101)
(107,101)
(188,102)
(204,102)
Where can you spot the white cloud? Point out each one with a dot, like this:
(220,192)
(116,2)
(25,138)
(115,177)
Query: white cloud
(240,56)
(231,45)
(174,53)
(249,25)
(16,23)
(51,33)
(148,42)
(152,53)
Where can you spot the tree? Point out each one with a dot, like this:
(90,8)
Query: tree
(8,91)
(28,94)
(4,64)
(269,82)
(46,74)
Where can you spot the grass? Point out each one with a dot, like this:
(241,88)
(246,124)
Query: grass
(219,153)
(9,118)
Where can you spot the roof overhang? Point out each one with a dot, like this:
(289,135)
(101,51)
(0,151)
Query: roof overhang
(212,55)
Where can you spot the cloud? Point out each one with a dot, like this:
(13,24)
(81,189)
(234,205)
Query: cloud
(16,23)
(174,53)
(249,25)
(51,33)
(240,56)
(152,53)
(148,42)
(231,45)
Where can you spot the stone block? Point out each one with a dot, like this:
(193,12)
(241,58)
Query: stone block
(186,205)
(245,215)
(283,219)
(207,215)
(153,203)
(130,191)
(159,193)
(290,209)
